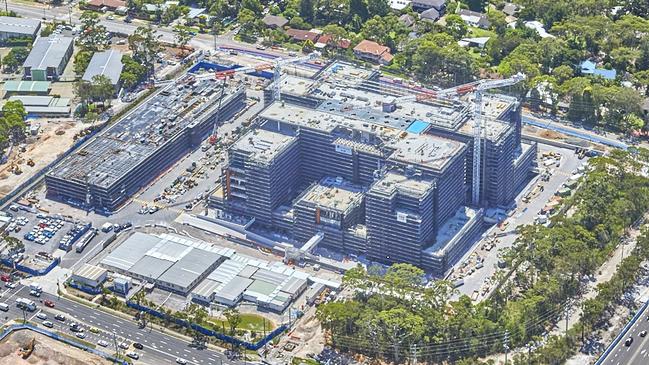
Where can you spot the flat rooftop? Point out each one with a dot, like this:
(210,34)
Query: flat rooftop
(333,194)
(263,145)
(90,272)
(400,145)
(452,228)
(391,182)
(48,52)
(130,141)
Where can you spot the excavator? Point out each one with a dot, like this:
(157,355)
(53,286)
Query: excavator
(26,351)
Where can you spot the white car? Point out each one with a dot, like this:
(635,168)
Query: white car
(81,335)
(41,315)
(124,345)
(133,355)
(110,17)
(181,361)
(48,324)
(102,343)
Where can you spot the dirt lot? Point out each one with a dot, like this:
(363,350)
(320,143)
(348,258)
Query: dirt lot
(54,138)
(46,352)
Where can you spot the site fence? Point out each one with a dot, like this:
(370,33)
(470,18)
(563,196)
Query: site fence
(85,289)
(29,270)
(17,327)
(209,66)
(47,168)
(207,332)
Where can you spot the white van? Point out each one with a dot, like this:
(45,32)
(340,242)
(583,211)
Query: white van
(4,307)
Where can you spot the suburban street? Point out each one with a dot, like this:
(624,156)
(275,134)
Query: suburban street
(159,348)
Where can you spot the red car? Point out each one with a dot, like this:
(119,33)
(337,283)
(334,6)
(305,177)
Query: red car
(49,303)
(6,278)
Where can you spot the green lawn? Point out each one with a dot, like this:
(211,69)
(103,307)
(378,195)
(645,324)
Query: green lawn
(478,32)
(300,361)
(249,322)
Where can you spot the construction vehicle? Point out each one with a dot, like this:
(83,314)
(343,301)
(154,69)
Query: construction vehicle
(26,351)
(30,163)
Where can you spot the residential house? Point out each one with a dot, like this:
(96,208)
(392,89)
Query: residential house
(105,5)
(373,52)
(474,19)
(48,58)
(538,26)
(510,9)
(422,5)
(589,67)
(274,21)
(12,27)
(326,40)
(407,20)
(477,42)
(299,35)
(431,15)
(399,4)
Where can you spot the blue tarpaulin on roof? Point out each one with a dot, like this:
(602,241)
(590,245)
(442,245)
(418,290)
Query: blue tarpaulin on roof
(418,127)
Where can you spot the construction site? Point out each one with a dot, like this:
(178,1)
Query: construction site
(105,173)
(348,161)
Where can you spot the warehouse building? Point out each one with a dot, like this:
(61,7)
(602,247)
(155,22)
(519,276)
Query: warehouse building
(21,87)
(90,276)
(12,27)
(44,106)
(375,175)
(136,149)
(170,262)
(206,273)
(107,63)
(48,58)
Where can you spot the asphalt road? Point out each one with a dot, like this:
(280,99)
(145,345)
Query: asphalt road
(159,348)
(638,352)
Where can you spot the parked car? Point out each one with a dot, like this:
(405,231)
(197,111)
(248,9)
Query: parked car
(181,361)
(48,324)
(102,343)
(41,315)
(133,355)
(48,303)
(60,317)
(81,335)
(138,346)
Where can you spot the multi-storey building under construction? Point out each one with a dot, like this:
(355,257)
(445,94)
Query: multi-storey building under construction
(340,162)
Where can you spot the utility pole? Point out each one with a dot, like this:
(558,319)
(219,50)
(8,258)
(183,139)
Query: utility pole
(7,7)
(506,345)
(414,354)
(116,346)
(567,317)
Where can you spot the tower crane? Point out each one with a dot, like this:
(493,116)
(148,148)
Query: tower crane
(277,73)
(478,88)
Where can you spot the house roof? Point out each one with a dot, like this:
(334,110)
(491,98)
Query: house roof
(589,67)
(407,20)
(274,21)
(371,47)
(474,17)
(430,14)
(327,39)
(48,52)
(302,35)
(510,9)
(24,26)
(107,63)
(114,4)
(437,4)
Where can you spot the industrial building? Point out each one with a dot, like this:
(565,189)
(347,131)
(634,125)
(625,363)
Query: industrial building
(208,273)
(170,262)
(89,276)
(341,162)
(44,106)
(132,152)
(13,27)
(48,58)
(107,63)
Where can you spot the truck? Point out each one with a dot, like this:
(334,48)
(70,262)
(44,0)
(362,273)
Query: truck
(85,240)
(26,304)
(36,286)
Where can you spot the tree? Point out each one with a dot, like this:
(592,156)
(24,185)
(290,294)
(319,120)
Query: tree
(233,317)
(306,10)
(563,73)
(455,26)
(250,24)
(82,90)
(15,58)
(253,5)
(358,7)
(93,36)
(400,328)
(378,7)
(132,72)
(145,45)
(81,61)
(182,37)
(387,30)
(101,88)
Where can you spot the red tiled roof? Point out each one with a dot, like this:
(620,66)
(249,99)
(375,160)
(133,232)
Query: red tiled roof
(114,4)
(328,38)
(302,35)
(371,47)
